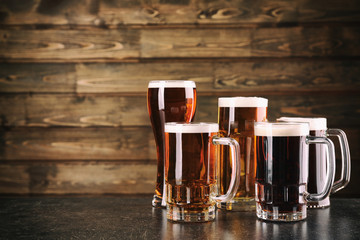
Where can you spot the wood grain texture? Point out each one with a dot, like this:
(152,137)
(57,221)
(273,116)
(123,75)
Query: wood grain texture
(265,76)
(66,45)
(130,45)
(117,12)
(342,111)
(100,144)
(73,111)
(33,77)
(94,178)
(245,42)
(77,177)
(44,110)
(77,144)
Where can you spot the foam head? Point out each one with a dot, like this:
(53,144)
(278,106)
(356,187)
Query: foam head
(243,102)
(171,84)
(283,129)
(201,127)
(314,123)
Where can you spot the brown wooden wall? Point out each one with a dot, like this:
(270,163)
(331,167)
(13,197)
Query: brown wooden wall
(74,75)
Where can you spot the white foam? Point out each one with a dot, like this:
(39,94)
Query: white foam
(315,123)
(243,102)
(171,84)
(201,127)
(281,129)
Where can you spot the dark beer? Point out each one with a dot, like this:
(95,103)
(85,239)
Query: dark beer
(168,101)
(317,157)
(236,120)
(282,157)
(281,174)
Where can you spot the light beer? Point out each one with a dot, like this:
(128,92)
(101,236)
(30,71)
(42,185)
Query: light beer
(236,120)
(190,171)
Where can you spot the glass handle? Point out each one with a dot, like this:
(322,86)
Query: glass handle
(345,159)
(330,175)
(235,172)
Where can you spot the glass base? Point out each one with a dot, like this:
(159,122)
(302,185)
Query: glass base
(281,217)
(158,202)
(180,214)
(238,205)
(321,204)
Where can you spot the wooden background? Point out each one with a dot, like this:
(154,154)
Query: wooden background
(74,75)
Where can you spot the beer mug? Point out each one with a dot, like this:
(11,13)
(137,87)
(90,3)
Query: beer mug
(191,171)
(317,158)
(168,101)
(282,151)
(236,120)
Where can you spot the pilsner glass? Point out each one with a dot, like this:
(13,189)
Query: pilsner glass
(317,158)
(282,152)
(168,101)
(236,120)
(191,171)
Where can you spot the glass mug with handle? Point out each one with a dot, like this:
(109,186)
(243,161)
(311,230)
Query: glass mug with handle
(282,151)
(191,171)
(317,158)
(236,120)
(168,101)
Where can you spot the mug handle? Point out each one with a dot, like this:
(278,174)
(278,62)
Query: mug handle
(235,172)
(345,159)
(330,175)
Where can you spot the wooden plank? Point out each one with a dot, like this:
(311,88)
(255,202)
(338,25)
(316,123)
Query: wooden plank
(117,12)
(32,77)
(77,177)
(283,76)
(77,144)
(65,45)
(266,76)
(134,77)
(245,42)
(342,111)
(125,44)
(44,110)
(96,178)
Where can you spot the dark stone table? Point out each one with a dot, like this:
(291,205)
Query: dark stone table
(132,217)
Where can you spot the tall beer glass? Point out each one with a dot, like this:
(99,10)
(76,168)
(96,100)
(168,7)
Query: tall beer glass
(190,171)
(317,158)
(168,101)
(236,120)
(282,152)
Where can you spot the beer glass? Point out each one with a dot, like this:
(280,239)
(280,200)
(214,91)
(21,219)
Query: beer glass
(191,171)
(168,101)
(282,151)
(317,158)
(236,120)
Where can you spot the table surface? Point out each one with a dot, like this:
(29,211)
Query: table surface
(132,217)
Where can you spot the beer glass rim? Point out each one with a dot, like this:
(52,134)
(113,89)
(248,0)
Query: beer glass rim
(243,102)
(192,127)
(281,129)
(171,84)
(316,123)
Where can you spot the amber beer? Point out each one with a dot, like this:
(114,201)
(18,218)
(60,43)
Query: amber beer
(168,101)
(317,158)
(282,151)
(236,119)
(190,171)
